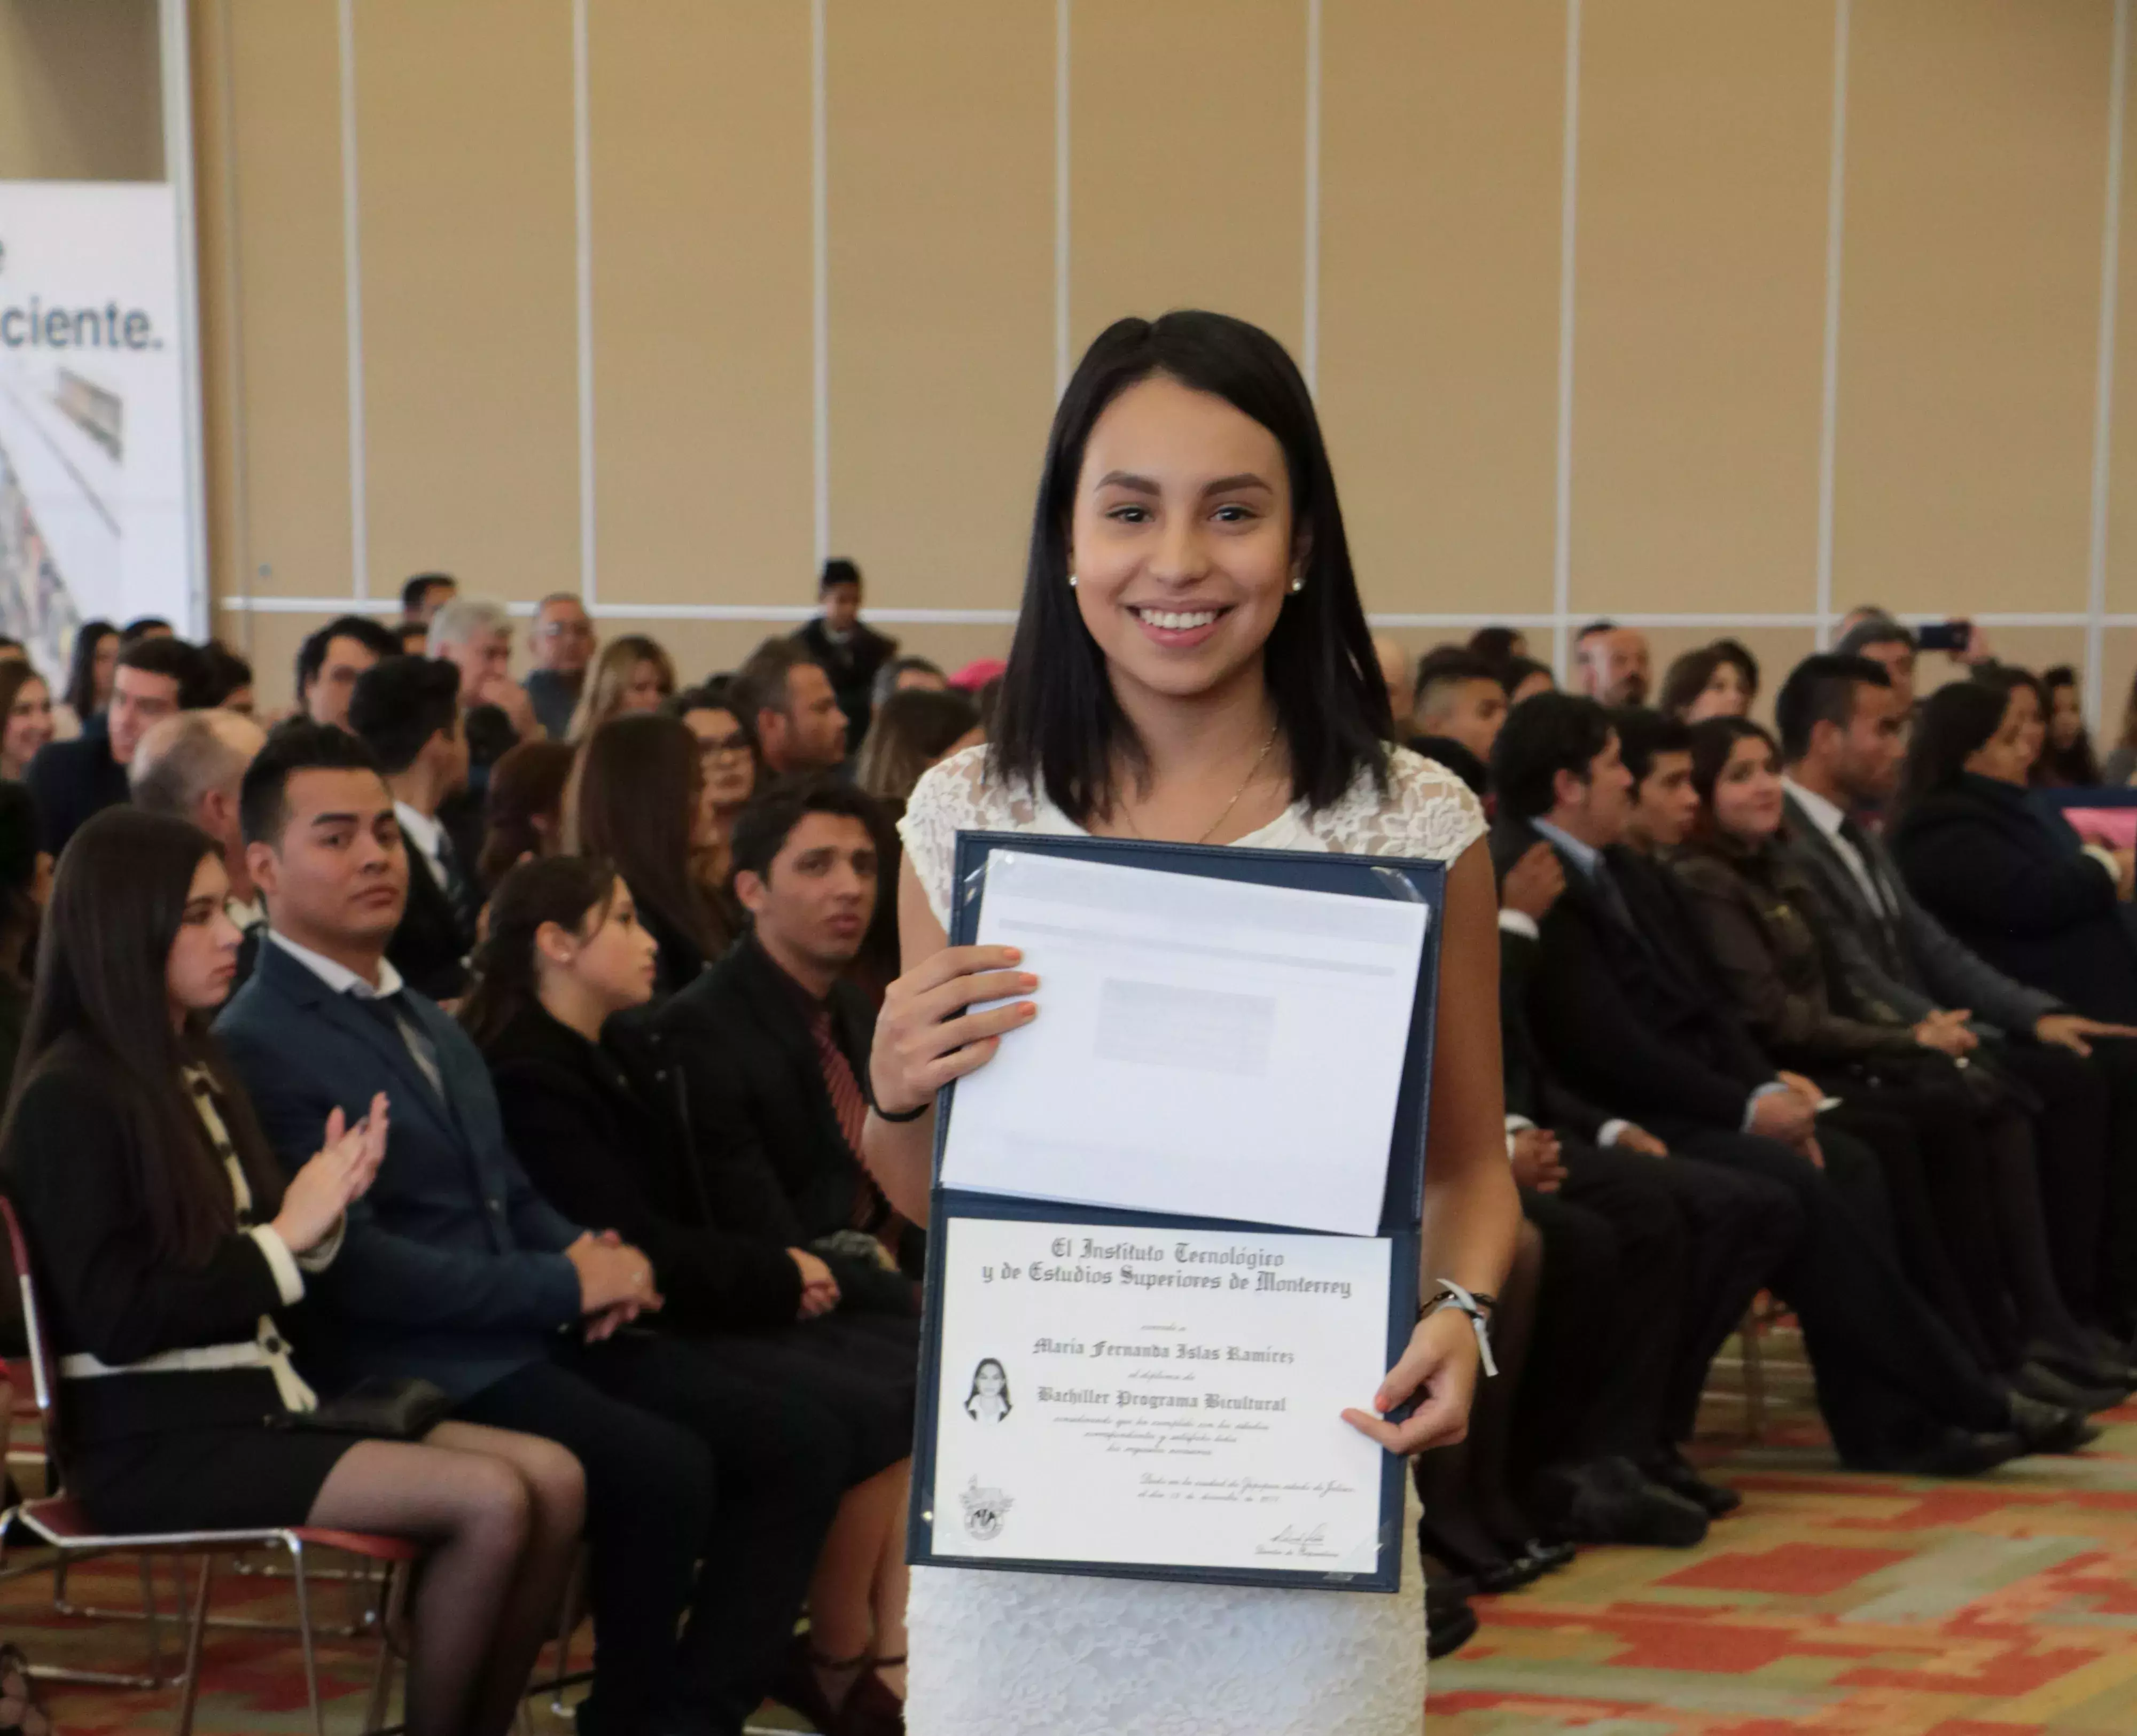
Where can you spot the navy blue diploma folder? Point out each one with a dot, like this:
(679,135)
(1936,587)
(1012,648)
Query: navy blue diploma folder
(1355,876)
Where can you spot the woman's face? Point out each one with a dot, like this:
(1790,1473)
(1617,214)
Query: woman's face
(990,1380)
(723,751)
(1747,796)
(103,666)
(646,689)
(29,723)
(2032,727)
(1180,540)
(2065,719)
(2004,756)
(614,955)
(203,959)
(1724,696)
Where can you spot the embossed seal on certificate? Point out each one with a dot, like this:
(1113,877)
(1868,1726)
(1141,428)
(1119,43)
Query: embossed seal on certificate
(985,1510)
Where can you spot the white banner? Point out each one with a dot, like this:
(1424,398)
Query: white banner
(96,513)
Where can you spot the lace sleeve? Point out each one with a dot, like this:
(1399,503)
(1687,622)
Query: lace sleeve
(1426,813)
(947,800)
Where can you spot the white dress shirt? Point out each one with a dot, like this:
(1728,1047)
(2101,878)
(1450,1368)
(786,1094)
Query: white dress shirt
(1828,818)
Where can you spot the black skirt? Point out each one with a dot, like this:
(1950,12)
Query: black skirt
(863,1368)
(225,1477)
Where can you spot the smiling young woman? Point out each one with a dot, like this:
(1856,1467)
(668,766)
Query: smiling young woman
(1192,663)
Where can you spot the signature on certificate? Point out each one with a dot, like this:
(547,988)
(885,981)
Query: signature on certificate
(1298,1542)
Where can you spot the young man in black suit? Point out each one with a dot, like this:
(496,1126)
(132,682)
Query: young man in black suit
(708,1494)
(407,711)
(331,660)
(850,650)
(774,1040)
(69,780)
(1624,1009)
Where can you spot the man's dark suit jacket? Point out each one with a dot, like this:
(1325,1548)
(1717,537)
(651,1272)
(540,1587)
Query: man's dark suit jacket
(430,948)
(71,781)
(451,1267)
(1634,1018)
(1902,956)
(1532,1091)
(778,1162)
(852,667)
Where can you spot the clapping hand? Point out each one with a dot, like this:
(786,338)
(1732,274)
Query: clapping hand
(340,1171)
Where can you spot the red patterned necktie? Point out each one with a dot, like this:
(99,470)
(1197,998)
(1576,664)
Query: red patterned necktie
(850,1107)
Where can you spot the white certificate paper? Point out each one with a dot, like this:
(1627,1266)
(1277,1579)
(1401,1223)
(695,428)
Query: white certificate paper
(1204,1048)
(1137,1397)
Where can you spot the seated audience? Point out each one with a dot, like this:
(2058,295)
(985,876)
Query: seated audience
(330,659)
(1523,678)
(850,651)
(1499,646)
(475,636)
(786,700)
(639,798)
(2067,760)
(89,673)
(2119,767)
(903,673)
(1884,642)
(1841,740)
(706,1495)
(525,813)
(406,711)
(144,626)
(773,1041)
(71,781)
(1625,1011)
(562,642)
(1459,707)
(728,753)
(911,732)
(591,1107)
(228,678)
(191,766)
(633,676)
(2012,882)
(1953,1141)
(163,1228)
(425,593)
(26,886)
(1708,683)
(1614,663)
(414,638)
(26,718)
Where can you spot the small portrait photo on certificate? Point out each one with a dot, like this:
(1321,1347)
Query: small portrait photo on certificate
(988,1402)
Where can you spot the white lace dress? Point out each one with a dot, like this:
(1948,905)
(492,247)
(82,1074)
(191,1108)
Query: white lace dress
(1007,1653)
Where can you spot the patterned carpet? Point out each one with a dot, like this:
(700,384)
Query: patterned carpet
(1833,1603)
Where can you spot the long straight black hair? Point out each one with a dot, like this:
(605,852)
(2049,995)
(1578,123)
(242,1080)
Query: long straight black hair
(101,1001)
(1958,719)
(1058,725)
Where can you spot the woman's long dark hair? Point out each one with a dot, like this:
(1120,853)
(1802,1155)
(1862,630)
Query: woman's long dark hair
(81,672)
(1713,741)
(2075,766)
(635,796)
(560,889)
(1687,677)
(100,999)
(525,785)
(1956,722)
(909,734)
(1058,725)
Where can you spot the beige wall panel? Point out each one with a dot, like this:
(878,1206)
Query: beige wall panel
(1438,352)
(1187,147)
(1977,135)
(288,301)
(469,309)
(1699,312)
(2122,443)
(215,211)
(81,95)
(699,131)
(940,125)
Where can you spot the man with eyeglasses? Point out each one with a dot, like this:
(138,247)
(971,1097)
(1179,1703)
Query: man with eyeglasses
(562,644)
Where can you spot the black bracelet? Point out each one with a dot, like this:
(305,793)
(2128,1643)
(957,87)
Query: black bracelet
(903,1115)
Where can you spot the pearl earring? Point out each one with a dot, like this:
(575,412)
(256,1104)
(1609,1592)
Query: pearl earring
(1072,581)
(1297,585)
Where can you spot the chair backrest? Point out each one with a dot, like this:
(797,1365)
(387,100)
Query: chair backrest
(44,1367)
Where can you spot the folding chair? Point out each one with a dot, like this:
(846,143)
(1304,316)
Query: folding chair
(58,1521)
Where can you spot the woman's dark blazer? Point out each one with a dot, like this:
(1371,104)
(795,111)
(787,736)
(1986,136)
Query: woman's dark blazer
(1765,930)
(2013,884)
(71,1166)
(603,1131)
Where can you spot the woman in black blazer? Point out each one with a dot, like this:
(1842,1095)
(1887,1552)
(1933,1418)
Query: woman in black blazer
(165,1243)
(2009,880)
(597,1115)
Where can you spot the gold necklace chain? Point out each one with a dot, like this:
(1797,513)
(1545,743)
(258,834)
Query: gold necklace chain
(1259,759)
